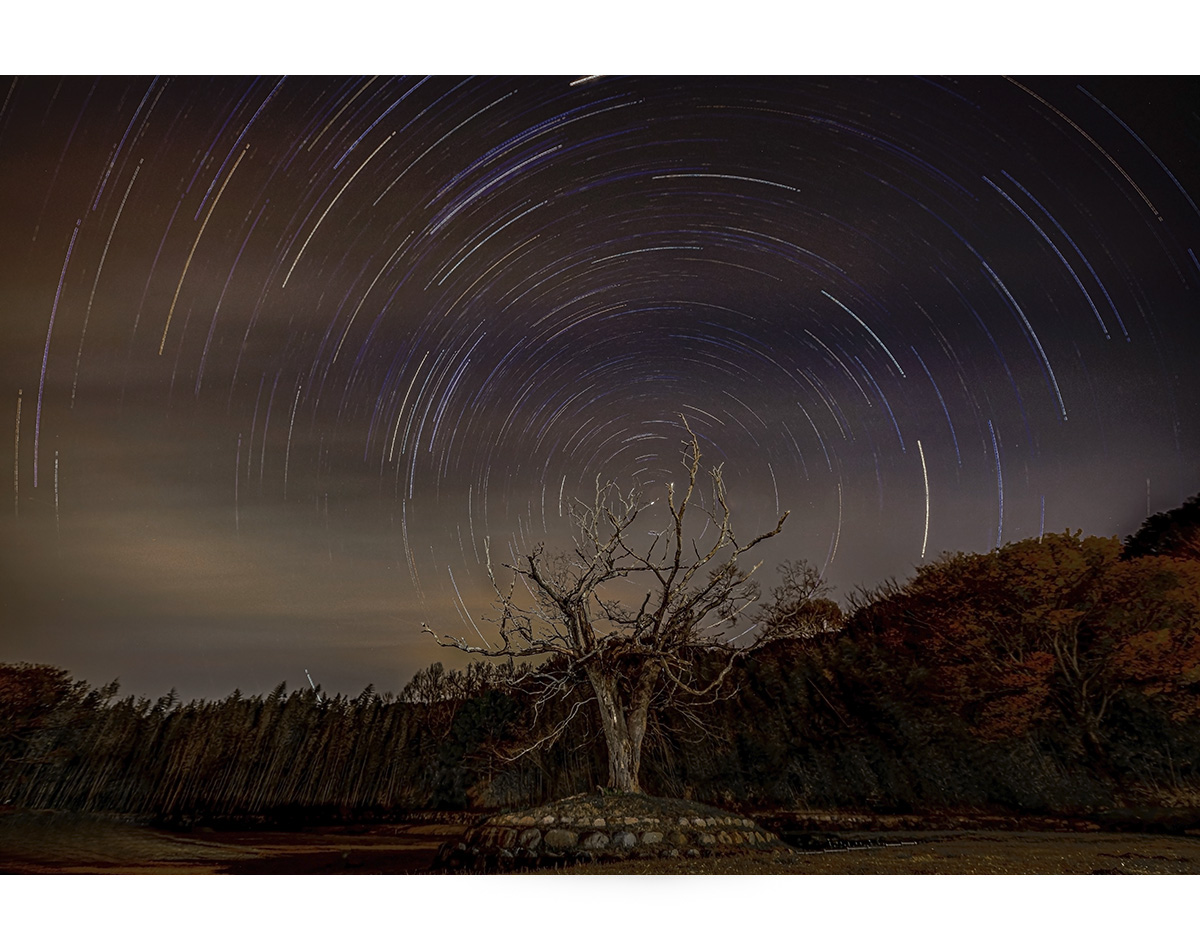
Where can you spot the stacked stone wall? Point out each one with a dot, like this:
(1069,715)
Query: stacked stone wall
(592,828)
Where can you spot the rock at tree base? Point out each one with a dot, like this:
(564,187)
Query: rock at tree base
(635,826)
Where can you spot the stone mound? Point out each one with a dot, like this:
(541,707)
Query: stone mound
(603,827)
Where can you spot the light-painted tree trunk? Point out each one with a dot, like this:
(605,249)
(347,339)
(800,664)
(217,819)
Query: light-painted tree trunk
(624,727)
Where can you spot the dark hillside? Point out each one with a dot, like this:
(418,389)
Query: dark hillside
(1050,676)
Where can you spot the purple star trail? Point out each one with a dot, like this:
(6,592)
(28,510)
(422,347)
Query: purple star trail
(282,354)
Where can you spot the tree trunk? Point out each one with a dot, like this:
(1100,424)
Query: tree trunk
(624,729)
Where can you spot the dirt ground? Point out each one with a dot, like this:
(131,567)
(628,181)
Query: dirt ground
(57,843)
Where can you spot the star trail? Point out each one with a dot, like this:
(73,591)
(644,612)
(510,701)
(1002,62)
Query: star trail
(281,356)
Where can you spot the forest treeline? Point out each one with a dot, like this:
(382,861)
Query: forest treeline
(1055,674)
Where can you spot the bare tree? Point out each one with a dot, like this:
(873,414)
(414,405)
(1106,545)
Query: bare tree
(799,607)
(644,625)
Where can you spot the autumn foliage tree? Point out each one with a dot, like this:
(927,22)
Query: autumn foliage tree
(668,644)
(1050,628)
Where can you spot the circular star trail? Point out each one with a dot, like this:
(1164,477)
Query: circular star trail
(279,355)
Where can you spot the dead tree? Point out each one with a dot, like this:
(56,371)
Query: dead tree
(644,625)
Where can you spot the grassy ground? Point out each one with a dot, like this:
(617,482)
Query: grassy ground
(963,852)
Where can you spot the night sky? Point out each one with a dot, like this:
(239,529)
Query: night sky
(277,355)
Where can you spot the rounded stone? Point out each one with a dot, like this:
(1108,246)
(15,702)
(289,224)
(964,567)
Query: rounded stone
(652,837)
(529,838)
(560,839)
(594,841)
(624,839)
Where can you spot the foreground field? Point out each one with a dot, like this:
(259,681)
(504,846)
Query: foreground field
(62,843)
(962,852)
(58,843)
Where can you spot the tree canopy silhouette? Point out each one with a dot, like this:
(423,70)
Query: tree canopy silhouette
(1174,533)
